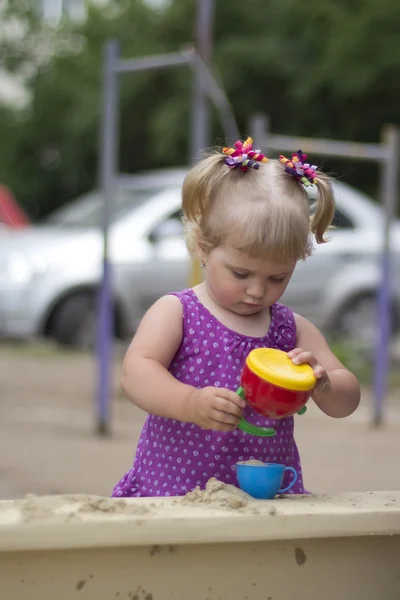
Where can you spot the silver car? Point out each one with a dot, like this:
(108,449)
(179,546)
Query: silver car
(50,273)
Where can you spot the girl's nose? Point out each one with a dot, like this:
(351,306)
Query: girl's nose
(256,290)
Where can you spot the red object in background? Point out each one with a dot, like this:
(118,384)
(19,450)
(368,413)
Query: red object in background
(11,213)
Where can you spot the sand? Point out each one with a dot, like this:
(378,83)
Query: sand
(253,462)
(72,507)
(217,492)
(43,508)
(217,496)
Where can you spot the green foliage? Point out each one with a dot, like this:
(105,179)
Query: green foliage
(331,70)
(20,34)
(359,359)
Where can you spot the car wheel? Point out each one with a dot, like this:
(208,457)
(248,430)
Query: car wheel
(74,322)
(357,321)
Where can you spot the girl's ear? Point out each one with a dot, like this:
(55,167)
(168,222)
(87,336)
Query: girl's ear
(202,258)
(201,249)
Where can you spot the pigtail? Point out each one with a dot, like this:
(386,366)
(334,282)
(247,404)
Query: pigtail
(307,175)
(200,185)
(322,218)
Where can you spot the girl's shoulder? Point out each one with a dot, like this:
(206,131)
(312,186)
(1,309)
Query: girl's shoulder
(187,299)
(185,296)
(193,311)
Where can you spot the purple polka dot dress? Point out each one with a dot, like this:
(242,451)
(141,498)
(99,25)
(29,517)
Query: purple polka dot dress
(172,457)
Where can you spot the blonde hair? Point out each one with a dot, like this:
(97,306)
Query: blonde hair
(263,213)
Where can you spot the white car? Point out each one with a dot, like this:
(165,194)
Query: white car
(50,273)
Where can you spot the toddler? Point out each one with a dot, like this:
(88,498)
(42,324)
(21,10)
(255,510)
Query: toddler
(248,221)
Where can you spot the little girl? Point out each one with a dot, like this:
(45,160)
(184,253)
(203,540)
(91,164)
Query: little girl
(248,220)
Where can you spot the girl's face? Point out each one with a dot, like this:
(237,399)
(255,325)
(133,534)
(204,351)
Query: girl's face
(242,284)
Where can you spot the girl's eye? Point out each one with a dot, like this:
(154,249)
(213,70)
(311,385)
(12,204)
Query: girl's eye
(240,275)
(277,279)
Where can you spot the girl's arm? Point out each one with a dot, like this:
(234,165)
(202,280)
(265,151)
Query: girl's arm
(145,376)
(148,383)
(337,392)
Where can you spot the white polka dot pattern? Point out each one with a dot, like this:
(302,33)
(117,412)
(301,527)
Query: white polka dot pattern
(173,457)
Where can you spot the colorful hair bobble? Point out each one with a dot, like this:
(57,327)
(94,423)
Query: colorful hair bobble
(302,171)
(243,156)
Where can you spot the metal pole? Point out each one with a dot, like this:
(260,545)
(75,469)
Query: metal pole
(113,67)
(391,139)
(108,169)
(156,61)
(320,146)
(216,93)
(259,131)
(200,130)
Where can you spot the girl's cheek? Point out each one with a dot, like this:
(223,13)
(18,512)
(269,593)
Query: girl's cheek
(228,290)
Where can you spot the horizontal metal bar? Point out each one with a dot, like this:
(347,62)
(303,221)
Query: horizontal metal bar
(158,61)
(159,179)
(376,152)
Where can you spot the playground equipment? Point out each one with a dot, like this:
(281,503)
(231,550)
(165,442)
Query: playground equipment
(385,154)
(113,67)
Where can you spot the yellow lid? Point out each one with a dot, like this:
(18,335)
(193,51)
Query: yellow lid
(277,368)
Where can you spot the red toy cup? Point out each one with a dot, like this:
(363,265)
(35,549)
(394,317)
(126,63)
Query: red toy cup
(273,385)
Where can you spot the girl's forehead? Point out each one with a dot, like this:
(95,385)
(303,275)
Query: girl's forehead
(237,258)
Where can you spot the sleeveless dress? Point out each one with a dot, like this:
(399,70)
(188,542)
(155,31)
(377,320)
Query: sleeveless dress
(172,457)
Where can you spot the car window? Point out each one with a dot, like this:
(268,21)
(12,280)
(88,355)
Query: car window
(341,221)
(171,226)
(87,210)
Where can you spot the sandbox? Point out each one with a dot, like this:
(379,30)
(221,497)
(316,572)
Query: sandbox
(219,545)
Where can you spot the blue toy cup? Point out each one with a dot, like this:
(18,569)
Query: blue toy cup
(263,482)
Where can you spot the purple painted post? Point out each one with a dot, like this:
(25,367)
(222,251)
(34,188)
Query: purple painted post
(104,350)
(200,125)
(384,320)
(383,339)
(113,67)
(108,162)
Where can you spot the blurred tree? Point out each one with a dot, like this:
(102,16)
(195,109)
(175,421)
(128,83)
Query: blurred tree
(22,38)
(56,138)
(323,69)
(21,47)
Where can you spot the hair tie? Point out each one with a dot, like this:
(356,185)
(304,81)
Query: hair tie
(302,171)
(243,156)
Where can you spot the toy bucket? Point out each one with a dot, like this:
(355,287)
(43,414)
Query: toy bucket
(274,387)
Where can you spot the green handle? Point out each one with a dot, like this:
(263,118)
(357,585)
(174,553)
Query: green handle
(253,429)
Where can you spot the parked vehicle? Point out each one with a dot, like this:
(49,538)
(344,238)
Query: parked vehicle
(50,273)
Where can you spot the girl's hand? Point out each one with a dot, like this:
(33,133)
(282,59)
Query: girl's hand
(300,356)
(214,408)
